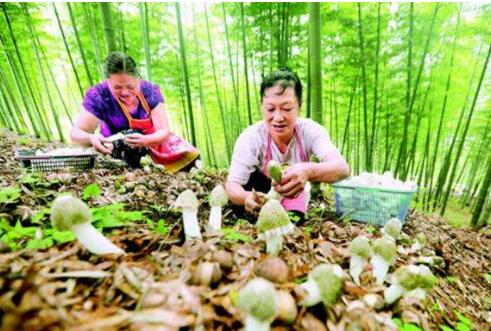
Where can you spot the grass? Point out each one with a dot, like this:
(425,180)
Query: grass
(455,215)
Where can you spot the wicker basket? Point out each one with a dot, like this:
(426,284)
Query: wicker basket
(372,205)
(55,162)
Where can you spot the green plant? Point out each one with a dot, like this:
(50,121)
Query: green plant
(9,195)
(232,235)
(91,191)
(464,324)
(40,216)
(487,278)
(308,229)
(293,217)
(159,227)
(113,216)
(401,326)
(371,229)
(451,279)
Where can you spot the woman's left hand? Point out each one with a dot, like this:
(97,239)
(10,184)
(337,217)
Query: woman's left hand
(136,140)
(293,181)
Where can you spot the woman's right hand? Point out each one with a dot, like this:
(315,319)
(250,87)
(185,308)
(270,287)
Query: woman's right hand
(254,201)
(97,141)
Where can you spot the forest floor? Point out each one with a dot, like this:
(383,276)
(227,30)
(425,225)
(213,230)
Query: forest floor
(155,287)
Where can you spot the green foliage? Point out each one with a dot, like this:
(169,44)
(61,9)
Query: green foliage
(9,195)
(308,229)
(301,280)
(487,277)
(159,227)
(40,216)
(371,229)
(112,216)
(91,191)
(293,217)
(232,235)
(464,324)
(451,279)
(19,236)
(401,326)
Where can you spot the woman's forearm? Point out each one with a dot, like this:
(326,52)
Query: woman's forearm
(236,193)
(158,136)
(80,136)
(328,172)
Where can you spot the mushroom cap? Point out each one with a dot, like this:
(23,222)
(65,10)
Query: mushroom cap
(187,199)
(259,299)
(407,276)
(426,279)
(218,197)
(360,246)
(272,216)
(329,279)
(275,171)
(386,248)
(393,228)
(67,211)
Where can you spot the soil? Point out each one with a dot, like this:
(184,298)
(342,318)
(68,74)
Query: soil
(155,286)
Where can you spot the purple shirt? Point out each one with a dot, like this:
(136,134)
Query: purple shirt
(100,102)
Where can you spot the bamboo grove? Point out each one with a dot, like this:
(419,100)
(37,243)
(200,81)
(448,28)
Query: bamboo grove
(400,87)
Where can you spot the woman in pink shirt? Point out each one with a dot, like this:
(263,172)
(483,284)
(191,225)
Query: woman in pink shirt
(284,137)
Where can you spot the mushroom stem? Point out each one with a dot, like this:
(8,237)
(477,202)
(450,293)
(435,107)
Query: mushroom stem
(380,268)
(274,244)
(313,293)
(191,225)
(356,267)
(93,240)
(393,293)
(254,324)
(216,218)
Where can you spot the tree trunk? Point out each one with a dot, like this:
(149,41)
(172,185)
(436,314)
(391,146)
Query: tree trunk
(217,90)
(246,74)
(90,22)
(315,65)
(464,134)
(481,198)
(107,22)
(182,51)
(146,43)
(79,84)
(444,105)
(375,89)
(402,151)
(443,174)
(231,66)
(210,152)
(368,164)
(79,44)
(18,82)
(43,76)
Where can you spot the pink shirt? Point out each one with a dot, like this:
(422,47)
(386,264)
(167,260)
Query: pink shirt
(250,148)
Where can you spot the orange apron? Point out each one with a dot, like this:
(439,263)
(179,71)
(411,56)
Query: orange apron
(174,153)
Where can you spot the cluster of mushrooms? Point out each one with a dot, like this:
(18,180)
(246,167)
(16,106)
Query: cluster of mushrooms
(259,299)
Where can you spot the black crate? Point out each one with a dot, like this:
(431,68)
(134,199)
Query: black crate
(51,163)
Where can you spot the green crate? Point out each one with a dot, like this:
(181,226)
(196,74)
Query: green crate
(371,205)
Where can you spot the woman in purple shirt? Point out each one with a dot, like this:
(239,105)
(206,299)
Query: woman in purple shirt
(124,102)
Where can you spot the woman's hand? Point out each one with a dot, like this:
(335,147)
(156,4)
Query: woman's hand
(254,201)
(293,181)
(136,140)
(97,141)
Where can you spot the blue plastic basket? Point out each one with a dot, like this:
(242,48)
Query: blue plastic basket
(371,205)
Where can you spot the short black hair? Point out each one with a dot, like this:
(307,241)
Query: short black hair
(120,63)
(284,77)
